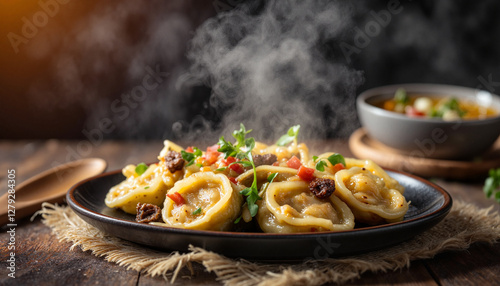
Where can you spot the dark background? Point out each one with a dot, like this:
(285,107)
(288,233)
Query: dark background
(68,75)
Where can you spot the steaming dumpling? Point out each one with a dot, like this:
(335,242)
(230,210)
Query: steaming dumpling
(283,152)
(211,202)
(150,187)
(263,173)
(370,197)
(289,207)
(376,170)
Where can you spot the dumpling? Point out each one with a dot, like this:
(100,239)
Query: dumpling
(263,172)
(149,187)
(377,171)
(289,207)
(209,202)
(372,199)
(283,152)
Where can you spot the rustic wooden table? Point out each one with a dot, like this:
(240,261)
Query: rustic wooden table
(42,260)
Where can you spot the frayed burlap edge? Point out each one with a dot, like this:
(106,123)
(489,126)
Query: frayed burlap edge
(464,225)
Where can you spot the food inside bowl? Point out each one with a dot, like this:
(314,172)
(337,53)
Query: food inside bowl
(448,108)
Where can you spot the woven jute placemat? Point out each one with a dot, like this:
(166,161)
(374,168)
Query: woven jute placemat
(464,225)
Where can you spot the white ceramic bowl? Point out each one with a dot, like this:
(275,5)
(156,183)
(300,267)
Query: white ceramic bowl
(430,137)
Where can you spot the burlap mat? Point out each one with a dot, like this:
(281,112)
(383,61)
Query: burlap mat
(464,225)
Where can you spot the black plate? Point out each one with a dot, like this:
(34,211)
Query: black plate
(429,205)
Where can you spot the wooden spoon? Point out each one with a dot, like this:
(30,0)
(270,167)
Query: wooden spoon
(49,186)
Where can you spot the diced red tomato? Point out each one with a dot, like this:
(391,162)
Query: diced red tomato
(213,148)
(189,149)
(233,180)
(237,168)
(338,167)
(293,162)
(211,157)
(229,160)
(177,198)
(276,163)
(306,174)
(413,112)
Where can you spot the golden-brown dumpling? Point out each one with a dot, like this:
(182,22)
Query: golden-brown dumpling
(211,202)
(148,187)
(263,172)
(376,170)
(289,207)
(370,197)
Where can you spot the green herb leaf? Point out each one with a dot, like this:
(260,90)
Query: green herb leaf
(320,166)
(243,163)
(315,158)
(240,135)
(237,220)
(146,187)
(290,136)
(191,157)
(197,211)
(241,150)
(336,158)
(401,96)
(271,177)
(452,104)
(141,168)
(227,148)
(492,184)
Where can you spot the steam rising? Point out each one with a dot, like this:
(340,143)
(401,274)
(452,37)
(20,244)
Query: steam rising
(268,68)
(267,64)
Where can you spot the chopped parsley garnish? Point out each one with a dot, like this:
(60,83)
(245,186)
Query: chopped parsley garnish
(290,136)
(492,184)
(146,187)
(141,168)
(190,157)
(242,149)
(197,211)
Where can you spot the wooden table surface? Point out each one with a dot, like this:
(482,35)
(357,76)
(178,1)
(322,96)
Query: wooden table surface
(42,260)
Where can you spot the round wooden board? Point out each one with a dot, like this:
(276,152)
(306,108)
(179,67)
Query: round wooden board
(365,147)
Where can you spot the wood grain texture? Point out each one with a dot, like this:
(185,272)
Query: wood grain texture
(43,260)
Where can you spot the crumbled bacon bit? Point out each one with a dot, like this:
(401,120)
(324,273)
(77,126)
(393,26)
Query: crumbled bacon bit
(147,213)
(322,188)
(174,161)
